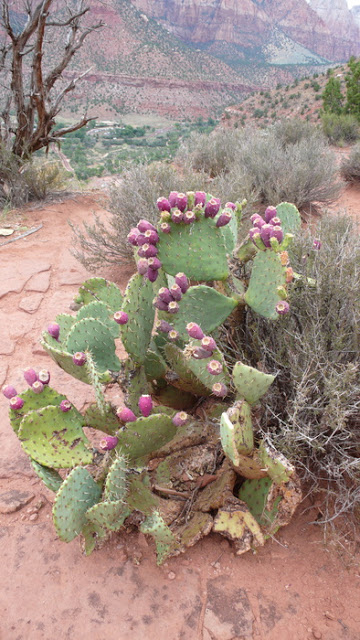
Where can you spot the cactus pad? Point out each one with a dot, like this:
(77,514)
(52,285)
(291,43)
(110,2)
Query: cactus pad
(289,216)
(100,311)
(193,374)
(196,528)
(165,540)
(92,335)
(55,439)
(197,249)
(140,438)
(155,365)
(255,494)
(116,483)
(100,289)
(250,383)
(91,534)
(140,497)
(76,495)
(106,422)
(136,334)
(137,385)
(110,515)
(65,322)
(229,232)
(203,305)
(65,361)
(235,522)
(267,274)
(34,401)
(277,466)
(236,430)
(51,478)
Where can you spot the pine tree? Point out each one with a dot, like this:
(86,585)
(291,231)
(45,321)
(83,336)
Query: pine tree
(332,97)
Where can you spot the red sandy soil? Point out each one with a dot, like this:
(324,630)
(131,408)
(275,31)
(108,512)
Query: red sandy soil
(295,588)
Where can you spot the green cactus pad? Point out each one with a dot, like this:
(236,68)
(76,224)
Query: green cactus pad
(277,466)
(92,533)
(65,362)
(110,515)
(246,251)
(92,335)
(100,289)
(249,466)
(155,365)
(34,401)
(229,231)
(100,311)
(236,430)
(76,495)
(106,422)
(234,521)
(140,497)
(165,540)
(136,334)
(196,528)
(65,322)
(116,483)
(51,478)
(267,274)
(193,374)
(289,216)
(196,249)
(203,305)
(255,494)
(54,438)
(140,438)
(137,385)
(250,383)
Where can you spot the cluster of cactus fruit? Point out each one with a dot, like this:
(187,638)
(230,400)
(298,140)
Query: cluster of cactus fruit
(180,457)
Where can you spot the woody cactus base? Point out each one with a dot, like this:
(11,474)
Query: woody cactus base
(181,457)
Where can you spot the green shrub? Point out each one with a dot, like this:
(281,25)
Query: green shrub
(350,167)
(340,129)
(292,130)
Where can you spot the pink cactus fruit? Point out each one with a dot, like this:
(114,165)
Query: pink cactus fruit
(9,391)
(152,274)
(16,403)
(65,406)
(181,201)
(230,205)
(200,197)
(194,331)
(151,236)
(275,221)
(200,354)
(270,212)
(163,204)
(126,415)
(282,307)
(133,235)
(317,244)
(165,295)
(208,343)
(121,317)
(79,358)
(223,219)
(30,376)
(108,443)
(278,233)
(163,326)
(154,263)
(266,232)
(44,376)
(220,390)
(160,304)
(172,198)
(165,227)
(214,367)
(54,330)
(145,405)
(173,307)
(177,216)
(189,217)
(182,281)
(180,418)
(140,240)
(145,225)
(212,207)
(176,292)
(37,387)
(173,335)
(142,266)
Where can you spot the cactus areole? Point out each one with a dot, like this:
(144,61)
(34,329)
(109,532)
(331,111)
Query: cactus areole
(169,407)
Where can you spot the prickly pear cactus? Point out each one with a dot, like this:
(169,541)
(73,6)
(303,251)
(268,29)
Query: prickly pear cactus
(180,456)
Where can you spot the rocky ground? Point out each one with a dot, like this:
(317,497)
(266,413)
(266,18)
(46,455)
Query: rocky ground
(294,588)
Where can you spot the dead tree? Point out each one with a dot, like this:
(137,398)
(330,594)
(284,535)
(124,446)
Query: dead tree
(33,95)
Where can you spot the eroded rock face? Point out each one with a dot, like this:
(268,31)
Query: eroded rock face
(326,27)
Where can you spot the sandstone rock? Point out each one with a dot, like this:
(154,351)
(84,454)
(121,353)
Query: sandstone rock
(14,280)
(39,282)
(7,345)
(13,500)
(19,324)
(30,304)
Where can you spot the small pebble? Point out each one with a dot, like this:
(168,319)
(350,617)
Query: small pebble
(171,575)
(317,634)
(34,516)
(329,616)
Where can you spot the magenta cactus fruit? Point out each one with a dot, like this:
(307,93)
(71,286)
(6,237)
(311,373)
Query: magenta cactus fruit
(133,235)
(208,343)
(154,263)
(214,367)
(177,216)
(172,198)
(164,294)
(152,274)
(173,307)
(16,403)
(108,443)
(140,240)
(200,354)
(176,292)
(189,217)
(182,281)
(194,331)
(163,204)
(151,236)
(44,376)
(212,207)
(266,232)
(79,358)
(37,387)
(142,266)
(173,335)
(126,415)
(270,212)
(148,251)
(121,317)
(145,225)
(200,197)
(180,418)
(54,330)
(223,219)
(317,244)
(254,231)
(275,221)
(219,390)
(165,227)
(30,376)
(9,391)
(163,326)
(145,405)
(282,307)
(258,221)
(65,406)
(278,233)
(181,201)
(230,205)
(160,304)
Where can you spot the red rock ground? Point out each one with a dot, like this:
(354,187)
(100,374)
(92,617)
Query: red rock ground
(293,589)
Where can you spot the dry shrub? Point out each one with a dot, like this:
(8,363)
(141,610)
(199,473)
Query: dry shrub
(350,167)
(340,129)
(13,187)
(312,409)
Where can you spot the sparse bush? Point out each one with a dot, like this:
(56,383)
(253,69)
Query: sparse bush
(312,410)
(340,129)
(13,188)
(292,130)
(43,176)
(212,154)
(350,167)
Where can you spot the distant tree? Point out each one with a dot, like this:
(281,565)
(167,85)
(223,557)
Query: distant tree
(332,97)
(36,46)
(352,80)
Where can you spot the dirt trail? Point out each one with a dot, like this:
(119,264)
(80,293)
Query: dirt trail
(293,589)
